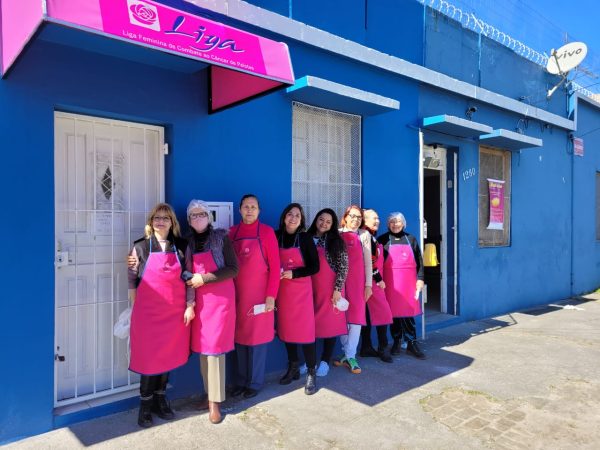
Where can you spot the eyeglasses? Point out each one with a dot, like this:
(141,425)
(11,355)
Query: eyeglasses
(200,215)
(162,218)
(354,216)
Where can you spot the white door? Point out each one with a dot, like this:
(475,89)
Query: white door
(108,175)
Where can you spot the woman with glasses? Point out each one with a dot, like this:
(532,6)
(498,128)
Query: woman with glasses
(211,259)
(358,283)
(295,313)
(327,284)
(256,287)
(403,276)
(159,334)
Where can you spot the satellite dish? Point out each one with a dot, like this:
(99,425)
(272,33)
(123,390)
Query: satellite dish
(566,58)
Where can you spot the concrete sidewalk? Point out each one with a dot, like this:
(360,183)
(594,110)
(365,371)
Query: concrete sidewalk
(520,381)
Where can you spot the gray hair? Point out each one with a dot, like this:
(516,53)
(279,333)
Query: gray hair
(396,216)
(200,204)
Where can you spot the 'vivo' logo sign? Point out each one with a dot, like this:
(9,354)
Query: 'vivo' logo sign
(566,58)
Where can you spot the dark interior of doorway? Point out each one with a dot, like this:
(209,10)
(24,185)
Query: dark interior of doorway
(432,213)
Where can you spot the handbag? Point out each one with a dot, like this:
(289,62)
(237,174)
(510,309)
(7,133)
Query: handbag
(121,328)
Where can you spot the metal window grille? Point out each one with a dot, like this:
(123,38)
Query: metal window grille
(495,164)
(326,159)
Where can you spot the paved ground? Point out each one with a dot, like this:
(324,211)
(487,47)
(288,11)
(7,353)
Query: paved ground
(526,380)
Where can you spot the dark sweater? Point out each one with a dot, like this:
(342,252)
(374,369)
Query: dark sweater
(307,249)
(141,250)
(390,238)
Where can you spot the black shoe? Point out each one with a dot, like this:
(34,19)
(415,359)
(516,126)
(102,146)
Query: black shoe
(367,352)
(238,390)
(144,415)
(161,407)
(293,373)
(413,349)
(384,355)
(249,393)
(395,351)
(311,382)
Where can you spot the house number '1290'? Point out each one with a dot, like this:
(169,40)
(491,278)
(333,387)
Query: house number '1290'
(468,173)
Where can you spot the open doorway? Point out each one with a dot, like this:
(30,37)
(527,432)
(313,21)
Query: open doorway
(439,232)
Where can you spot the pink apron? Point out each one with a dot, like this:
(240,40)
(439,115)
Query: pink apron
(295,314)
(250,289)
(400,276)
(379,307)
(355,281)
(160,341)
(213,329)
(329,321)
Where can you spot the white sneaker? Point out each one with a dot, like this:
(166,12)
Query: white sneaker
(303,369)
(323,369)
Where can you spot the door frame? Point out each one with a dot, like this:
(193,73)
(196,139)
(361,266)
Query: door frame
(122,390)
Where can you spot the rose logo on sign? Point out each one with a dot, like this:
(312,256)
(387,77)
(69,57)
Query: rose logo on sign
(143,15)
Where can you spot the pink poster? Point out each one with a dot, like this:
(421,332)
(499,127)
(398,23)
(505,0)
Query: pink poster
(496,190)
(170,30)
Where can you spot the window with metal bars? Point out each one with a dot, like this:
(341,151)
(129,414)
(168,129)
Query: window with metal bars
(326,159)
(493,164)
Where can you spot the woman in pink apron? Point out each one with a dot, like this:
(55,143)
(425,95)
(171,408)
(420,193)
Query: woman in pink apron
(256,287)
(327,284)
(159,334)
(403,276)
(295,313)
(358,283)
(211,259)
(378,310)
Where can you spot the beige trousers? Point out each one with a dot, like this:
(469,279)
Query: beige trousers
(213,376)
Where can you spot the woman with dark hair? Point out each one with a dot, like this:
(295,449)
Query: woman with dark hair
(403,276)
(295,313)
(256,287)
(211,259)
(159,334)
(378,310)
(358,282)
(328,283)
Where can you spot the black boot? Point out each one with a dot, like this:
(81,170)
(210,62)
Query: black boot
(311,382)
(293,373)
(384,354)
(144,415)
(161,406)
(413,349)
(395,347)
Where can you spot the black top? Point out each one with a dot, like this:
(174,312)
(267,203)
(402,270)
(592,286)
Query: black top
(142,251)
(390,238)
(307,249)
(374,256)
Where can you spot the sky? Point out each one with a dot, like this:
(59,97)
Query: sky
(545,24)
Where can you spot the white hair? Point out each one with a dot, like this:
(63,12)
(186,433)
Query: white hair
(199,204)
(396,216)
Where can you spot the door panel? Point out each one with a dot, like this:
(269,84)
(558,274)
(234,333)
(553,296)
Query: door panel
(108,174)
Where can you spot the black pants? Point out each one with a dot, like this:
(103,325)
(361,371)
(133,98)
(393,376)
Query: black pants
(151,384)
(365,334)
(328,347)
(404,328)
(309,350)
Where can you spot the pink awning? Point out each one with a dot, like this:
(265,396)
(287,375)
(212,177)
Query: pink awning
(248,65)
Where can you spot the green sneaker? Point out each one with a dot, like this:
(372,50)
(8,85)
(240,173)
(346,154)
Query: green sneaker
(352,364)
(340,361)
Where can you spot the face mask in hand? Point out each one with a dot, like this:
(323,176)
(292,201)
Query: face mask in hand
(342,304)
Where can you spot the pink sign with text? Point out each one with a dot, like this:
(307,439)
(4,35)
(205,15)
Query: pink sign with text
(155,25)
(496,190)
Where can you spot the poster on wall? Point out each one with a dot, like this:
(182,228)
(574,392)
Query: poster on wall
(496,190)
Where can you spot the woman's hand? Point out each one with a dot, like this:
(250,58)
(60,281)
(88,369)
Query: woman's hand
(336,296)
(286,274)
(188,315)
(131,261)
(269,304)
(381,284)
(131,294)
(368,293)
(420,285)
(196,281)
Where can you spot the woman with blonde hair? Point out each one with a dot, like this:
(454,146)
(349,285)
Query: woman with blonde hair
(159,333)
